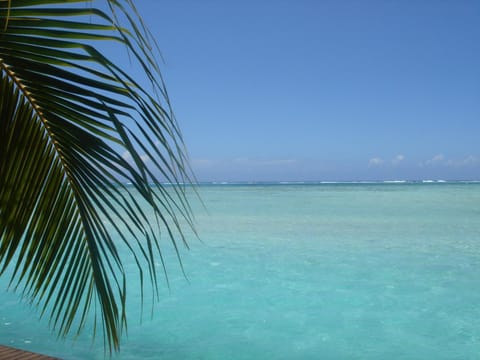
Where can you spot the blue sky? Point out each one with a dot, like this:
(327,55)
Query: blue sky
(323,90)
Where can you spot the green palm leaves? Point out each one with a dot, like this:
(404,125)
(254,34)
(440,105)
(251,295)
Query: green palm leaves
(73,127)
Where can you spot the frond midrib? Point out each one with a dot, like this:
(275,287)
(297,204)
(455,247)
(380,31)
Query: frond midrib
(4,67)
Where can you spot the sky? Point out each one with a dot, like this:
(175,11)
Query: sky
(323,90)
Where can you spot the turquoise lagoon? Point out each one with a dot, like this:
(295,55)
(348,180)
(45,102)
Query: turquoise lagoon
(305,271)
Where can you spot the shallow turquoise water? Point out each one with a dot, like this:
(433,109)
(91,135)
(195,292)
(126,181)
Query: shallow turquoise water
(338,271)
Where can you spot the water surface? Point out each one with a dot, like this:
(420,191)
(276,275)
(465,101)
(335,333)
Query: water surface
(323,271)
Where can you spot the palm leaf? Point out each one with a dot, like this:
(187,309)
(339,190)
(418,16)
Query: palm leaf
(67,114)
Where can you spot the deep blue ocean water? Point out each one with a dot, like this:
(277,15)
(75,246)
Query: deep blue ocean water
(317,271)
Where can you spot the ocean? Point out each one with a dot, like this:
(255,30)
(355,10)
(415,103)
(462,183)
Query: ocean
(303,271)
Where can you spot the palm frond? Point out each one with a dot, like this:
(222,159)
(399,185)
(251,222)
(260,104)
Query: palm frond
(67,114)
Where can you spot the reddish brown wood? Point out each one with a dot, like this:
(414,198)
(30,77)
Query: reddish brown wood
(9,353)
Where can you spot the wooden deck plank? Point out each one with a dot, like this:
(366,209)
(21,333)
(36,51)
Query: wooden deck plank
(9,353)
